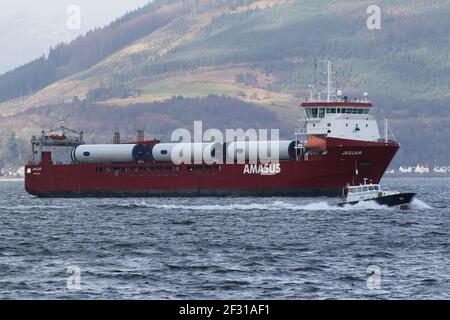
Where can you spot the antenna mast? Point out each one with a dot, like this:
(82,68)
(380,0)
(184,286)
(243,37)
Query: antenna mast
(330,81)
(386,131)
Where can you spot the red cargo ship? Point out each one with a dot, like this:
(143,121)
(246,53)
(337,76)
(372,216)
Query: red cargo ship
(339,144)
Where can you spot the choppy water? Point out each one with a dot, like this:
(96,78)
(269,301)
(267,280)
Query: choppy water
(205,248)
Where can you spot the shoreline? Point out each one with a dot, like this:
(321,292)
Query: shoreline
(416,175)
(4,179)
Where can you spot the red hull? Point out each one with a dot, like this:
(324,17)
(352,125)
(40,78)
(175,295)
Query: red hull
(346,162)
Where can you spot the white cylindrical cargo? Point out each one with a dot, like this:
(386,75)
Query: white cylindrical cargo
(103,153)
(187,152)
(261,150)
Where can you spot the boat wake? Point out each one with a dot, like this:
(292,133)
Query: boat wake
(267,206)
(420,205)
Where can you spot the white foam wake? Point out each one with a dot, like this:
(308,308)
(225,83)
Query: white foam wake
(277,205)
(270,206)
(420,205)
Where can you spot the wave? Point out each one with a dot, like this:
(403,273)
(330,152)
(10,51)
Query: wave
(272,206)
(33,207)
(420,205)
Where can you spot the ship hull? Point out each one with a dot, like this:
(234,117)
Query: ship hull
(317,174)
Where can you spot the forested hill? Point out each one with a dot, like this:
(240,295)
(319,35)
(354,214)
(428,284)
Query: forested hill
(260,52)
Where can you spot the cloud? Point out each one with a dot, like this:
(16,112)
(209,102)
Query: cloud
(34,26)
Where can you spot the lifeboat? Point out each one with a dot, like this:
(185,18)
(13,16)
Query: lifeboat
(58,137)
(315,142)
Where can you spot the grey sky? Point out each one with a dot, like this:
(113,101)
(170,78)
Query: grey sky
(28,27)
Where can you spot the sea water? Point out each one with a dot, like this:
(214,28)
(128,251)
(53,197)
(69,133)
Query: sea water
(225,248)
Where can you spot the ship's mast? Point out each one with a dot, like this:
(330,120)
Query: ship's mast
(386,132)
(328,80)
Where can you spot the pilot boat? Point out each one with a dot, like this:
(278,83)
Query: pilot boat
(352,195)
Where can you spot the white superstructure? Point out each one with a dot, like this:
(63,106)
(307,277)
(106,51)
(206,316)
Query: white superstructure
(337,116)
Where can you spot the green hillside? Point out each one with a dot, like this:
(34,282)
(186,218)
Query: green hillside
(408,59)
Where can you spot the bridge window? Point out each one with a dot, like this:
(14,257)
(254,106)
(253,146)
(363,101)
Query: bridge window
(360,111)
(311,112)
(321,112)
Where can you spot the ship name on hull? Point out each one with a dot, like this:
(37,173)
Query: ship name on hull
(352,153)
(268,169)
